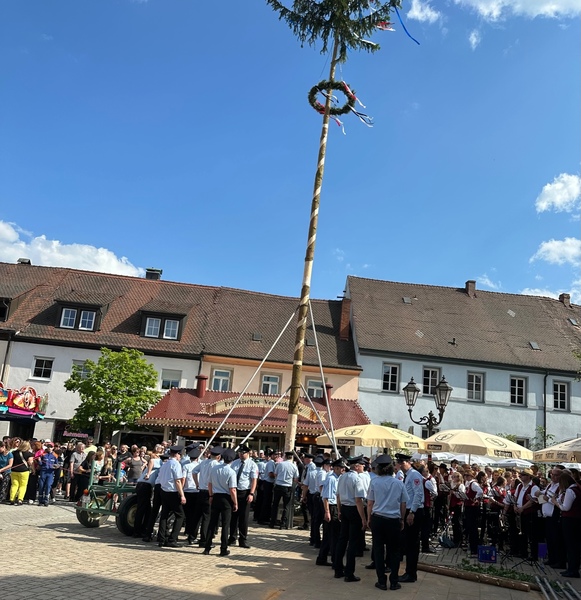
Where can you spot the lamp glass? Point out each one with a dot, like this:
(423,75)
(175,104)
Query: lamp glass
(411,392)
(442,395)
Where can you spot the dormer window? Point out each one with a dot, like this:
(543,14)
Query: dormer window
(167,328)
(78,318)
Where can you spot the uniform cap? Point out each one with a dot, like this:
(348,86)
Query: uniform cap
(192,446)
(194,453)
(244,448)
(401,457)
(383,459)
(356,460)
(176,449)
(228,454)
(216,451)
(327,461)
(340,463)
(319,459)
(308,456)
(289,453)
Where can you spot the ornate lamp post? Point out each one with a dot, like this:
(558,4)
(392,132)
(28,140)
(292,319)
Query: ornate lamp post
(441,397)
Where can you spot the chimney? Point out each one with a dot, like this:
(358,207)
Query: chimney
(201,385)
(153,273)
(565,299)
(471,288)
(24,261)
(329,387)
(345,316)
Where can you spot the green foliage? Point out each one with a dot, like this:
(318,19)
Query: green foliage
(511,437)
(350,21)
(466,565)
(115,391)
(388,424)
(541,440)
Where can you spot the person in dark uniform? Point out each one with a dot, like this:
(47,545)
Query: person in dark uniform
(191,492)
(246,479)
(223,501)
(351,513)
(201,475)
(156,505)
(414,485)
(331,523)
(386,505)
(171,479)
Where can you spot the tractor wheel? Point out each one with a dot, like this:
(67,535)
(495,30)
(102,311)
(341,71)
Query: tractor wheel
(125,519)
(92,518)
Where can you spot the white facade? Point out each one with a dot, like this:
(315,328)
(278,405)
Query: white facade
(494,413)
(19,372)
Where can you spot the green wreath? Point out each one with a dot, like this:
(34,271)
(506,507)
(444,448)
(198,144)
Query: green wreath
(339,86)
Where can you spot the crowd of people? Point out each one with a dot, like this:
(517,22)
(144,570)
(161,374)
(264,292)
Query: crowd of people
(409,507)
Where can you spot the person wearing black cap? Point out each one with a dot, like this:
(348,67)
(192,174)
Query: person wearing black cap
(414,485)
(191,492)
(351,513)
(386,504)
(201,475)
(246,479)
(331,524)
(223,501)
(171,479)
(286,475)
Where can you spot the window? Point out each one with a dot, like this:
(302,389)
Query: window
(431,377)
(5,307)
(152,327)
(425,432)
(68,318)
(74,318)
(270,384)
(159,326)
(170,330)
(170,379)
(42,368)
(315,388)
(560,395)
(476,386)
(517,390)
(221,380)
(390,378)
(522,441)
(83,372)
(87,320)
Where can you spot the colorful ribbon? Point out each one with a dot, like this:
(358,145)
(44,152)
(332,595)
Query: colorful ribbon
(404,27)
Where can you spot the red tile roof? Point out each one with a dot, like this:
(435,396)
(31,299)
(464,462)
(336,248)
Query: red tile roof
(182,408)
(219,321)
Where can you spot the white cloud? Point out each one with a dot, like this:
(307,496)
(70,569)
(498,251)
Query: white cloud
(423,11)
(474,38)
(339,254)
(494,10)
(559,252)
(486,281)
(540,292)
(564,194)
(52,253)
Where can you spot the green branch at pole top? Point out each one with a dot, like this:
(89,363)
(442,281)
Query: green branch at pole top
(349,21)
(326,87)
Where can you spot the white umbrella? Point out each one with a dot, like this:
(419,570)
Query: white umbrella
(436,456)
(517,463)
(470,459)
(373,436)
(569,451)
(474,442)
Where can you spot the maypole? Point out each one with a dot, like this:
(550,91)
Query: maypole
(345,24)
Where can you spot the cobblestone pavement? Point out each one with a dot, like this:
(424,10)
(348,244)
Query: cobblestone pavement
(49,555)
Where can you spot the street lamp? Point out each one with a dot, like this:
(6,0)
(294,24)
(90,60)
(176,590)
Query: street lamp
(442,394)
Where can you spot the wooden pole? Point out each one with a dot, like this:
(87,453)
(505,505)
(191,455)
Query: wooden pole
(295,392)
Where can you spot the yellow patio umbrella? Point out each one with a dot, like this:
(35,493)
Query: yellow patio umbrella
(569,451)
(373,436)
(469,441)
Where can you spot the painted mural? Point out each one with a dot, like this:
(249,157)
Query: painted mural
(22,402)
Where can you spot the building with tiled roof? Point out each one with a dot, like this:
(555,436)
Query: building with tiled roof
(52,318)
(509,357)
(197,413)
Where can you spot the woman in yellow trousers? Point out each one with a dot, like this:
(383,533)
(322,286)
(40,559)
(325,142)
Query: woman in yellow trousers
(23,457)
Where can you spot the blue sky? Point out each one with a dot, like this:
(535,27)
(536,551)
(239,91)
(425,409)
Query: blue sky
(176,134)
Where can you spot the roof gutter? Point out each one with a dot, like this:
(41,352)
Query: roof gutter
(12,333)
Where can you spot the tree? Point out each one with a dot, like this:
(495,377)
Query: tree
(115,391)
(541,440)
